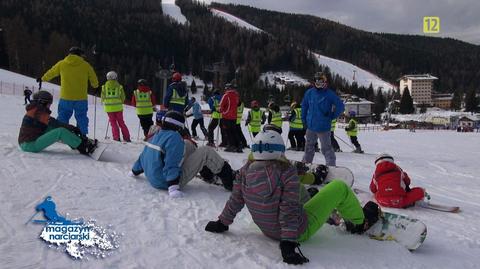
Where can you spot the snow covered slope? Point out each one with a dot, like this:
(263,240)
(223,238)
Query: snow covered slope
(170,9)
(235,20)
(159,232)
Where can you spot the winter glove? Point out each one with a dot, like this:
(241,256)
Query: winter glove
(407,188)
(216,227)
(174,192)
(289,255)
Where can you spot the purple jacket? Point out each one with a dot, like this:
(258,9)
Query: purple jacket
(271,191)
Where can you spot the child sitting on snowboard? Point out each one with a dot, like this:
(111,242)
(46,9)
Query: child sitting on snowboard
(169,162)
(391,185)
(39,130)
(270,188)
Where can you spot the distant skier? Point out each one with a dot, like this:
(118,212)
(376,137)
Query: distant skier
(197,118)
(335,145)
(144,102)
(176,96)
(49,211)
(255,118)
(391,185)
(214,104)
(169,164)
(228,108)
(75,74)
(296,134)
(27,93)
(39,130)
(113,97)
(270,188)
(320,105)
(352,131)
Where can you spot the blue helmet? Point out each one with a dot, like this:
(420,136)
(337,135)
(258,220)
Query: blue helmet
(160,114)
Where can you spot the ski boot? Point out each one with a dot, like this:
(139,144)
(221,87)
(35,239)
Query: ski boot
(358,150)
(87,146)
(372,213)
(227,175)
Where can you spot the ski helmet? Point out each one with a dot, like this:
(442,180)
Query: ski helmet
(160,114)
(383,157)
(320,81)
(176,77)
(76,50)
(173,120)
(112,75)
(271,127)
(142,81)
(268,145)
(43,98)
(254,104)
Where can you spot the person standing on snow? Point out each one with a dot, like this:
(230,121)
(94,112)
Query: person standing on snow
(176,96)
(335,145)
(113,98)
(255,118)
(144,102)
(197,118)
(169,164)
(27,93)
(214,104)
(320,105)
(228,108)
(296,134)
(75,73)
(38,130)
(270,188)
(391,185)
(352,131)
(238,125)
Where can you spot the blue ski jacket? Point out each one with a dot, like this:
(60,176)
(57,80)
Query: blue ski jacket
(197,111)
(319,108)
(162,158)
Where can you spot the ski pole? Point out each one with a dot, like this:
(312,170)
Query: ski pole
(31,218)
(106,130)
(217,139)
(138,132)
(348,144)
(94,115)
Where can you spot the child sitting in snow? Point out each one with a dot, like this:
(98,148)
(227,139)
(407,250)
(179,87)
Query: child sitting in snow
(270,188)
(39,130)
(391,185)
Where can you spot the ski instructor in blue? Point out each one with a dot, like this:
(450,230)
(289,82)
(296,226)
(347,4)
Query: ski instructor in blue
(75,73)
(320,105)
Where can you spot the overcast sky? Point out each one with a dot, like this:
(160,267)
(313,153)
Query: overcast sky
(458,18)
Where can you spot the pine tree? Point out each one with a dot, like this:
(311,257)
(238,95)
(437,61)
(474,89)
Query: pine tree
(379,106)
(406,103)
(193,87)
(471,101)
(3,51)
(457,100)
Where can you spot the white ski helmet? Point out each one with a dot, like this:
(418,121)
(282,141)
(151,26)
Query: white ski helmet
(112,75)
(384,157)
(268,145)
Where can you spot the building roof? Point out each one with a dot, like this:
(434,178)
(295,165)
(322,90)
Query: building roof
(418,77)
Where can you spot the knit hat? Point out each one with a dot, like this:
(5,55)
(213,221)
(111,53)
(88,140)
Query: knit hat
(384,157)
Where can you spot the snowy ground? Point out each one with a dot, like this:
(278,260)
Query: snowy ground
(161,232)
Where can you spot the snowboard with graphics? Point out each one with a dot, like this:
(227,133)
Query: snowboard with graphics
(333,172)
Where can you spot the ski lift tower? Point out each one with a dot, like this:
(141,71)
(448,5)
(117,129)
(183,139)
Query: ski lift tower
(219,69)
(164,75)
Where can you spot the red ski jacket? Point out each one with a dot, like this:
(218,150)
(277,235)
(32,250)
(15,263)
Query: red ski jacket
(388,183)
(228,105)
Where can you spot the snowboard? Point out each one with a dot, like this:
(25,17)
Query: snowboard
(99,150)
(334,172)
(408,232)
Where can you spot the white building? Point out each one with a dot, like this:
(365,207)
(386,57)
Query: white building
(420,87)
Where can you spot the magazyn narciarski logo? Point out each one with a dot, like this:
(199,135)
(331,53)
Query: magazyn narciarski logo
(77,237)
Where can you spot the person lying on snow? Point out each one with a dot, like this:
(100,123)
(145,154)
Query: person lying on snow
(169,162)
(270,188)
(391,185)
(39,130)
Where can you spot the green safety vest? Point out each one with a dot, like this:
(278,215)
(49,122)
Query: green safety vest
(239,113)
(177,99)
(255,123)
(112,96)
(297,122)
(334,124)
(352,132)
(143,102)
(216,114)
(276,118)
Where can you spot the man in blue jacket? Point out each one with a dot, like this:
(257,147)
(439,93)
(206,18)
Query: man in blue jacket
(176,96)
(169,165)
(320,105)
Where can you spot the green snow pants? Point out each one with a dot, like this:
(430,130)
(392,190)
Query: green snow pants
(49,138)
(335,195)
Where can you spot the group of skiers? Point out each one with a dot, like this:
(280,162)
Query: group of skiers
(269,185)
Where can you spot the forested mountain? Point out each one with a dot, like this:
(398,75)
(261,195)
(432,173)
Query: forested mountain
(456,63)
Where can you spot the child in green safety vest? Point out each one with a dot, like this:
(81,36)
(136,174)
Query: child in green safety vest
(352,131)
(255,118)
(144,102)
(274,115)
(113,97)
(296,134)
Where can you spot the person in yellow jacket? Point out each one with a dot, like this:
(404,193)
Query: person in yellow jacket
(113,97)
(75,73)
(296,133)
(352,131)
